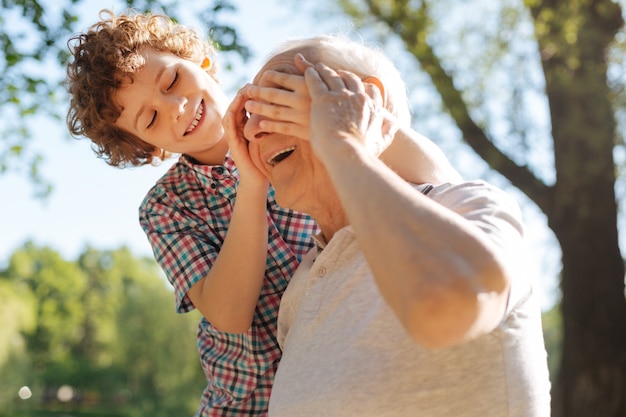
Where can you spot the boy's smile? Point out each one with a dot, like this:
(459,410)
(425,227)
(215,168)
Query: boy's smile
(196,120)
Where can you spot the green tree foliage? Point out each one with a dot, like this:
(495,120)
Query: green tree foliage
(103,327)
(552,322)
(17,314)
(528,85)
(18,319)
(33,53)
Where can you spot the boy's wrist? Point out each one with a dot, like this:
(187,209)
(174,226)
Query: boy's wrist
(253,188)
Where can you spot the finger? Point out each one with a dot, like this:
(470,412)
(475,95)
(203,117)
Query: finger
(271,111)
(228,125)
(238,103)
(269,95)
(330,77)
(390,125)
(231,131)
(314,82)
(374,93)
(351,81)
(291,82)
(289,129)
(276,97)
(235,116)
(301,62)
(233,128)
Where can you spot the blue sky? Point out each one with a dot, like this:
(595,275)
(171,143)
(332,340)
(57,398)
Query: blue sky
(94,204)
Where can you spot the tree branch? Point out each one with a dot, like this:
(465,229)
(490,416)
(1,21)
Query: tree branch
(411,24)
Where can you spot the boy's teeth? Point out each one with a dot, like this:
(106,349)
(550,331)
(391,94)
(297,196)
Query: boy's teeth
(195,120)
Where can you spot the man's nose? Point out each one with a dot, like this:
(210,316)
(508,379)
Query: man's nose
(252,130)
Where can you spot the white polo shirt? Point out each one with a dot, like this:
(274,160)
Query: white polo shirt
(346,354)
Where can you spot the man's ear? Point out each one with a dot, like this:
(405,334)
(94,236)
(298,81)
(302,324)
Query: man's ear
(373,80)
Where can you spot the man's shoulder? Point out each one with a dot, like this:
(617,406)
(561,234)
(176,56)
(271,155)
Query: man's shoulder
(466,190)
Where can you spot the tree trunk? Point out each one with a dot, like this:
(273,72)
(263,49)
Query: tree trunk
(583,213)
(592,378)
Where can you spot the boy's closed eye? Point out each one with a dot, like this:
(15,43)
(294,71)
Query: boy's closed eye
(173,83)
(152,120)
(169,87)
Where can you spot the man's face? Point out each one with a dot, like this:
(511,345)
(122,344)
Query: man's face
(173,104)
(289,163)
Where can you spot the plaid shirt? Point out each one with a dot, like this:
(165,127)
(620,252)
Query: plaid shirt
(186,216)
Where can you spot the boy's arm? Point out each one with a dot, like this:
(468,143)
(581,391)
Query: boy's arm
(417,159)
(227,296)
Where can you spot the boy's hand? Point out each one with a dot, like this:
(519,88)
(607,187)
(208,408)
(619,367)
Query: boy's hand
(233,122)
(286,106)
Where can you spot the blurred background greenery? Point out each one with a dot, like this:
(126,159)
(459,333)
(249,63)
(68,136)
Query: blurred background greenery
(93,336)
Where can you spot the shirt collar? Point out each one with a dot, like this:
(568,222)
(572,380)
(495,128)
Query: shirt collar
(320,241)
(226,169)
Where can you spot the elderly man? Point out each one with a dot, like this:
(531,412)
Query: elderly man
(416,300)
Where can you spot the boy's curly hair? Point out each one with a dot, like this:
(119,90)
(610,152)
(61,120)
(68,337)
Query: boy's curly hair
(105,56)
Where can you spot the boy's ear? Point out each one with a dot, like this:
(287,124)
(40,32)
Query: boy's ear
(206,63)
(158,152)
(373,80)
